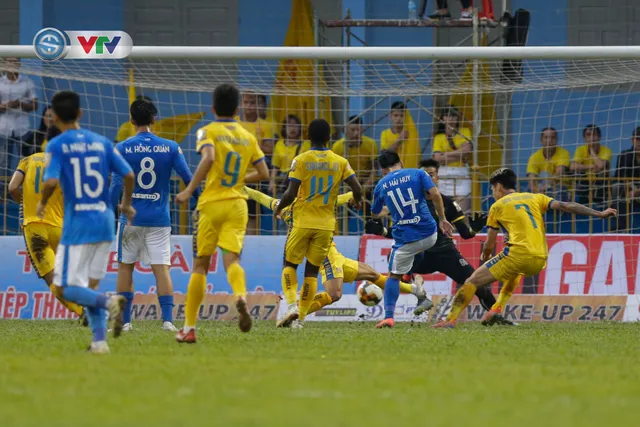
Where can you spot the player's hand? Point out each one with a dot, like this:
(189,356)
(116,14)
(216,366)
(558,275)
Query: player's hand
(478,221)
(608,213)
(374,226)
(183,196)
(276,214)
(128,211)
(40,210)
(446,227)
(355,205)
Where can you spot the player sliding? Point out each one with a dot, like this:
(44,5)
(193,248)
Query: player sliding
(227,150)
(520,216)
(80,161)
(41,235)
(148,238)
(404,192)
(314,178)
(336,268)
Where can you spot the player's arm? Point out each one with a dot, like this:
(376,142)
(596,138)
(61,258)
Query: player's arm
(208,155)
(490,244)
(115,189)
(182,169)
(375,226)
(120,166)
(356,188)
(15,185)
(51,176)
(264,199)
(578,209)
(289,195)
(261,173)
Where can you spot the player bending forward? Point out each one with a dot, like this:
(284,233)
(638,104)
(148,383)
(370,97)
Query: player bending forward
(336,268)
(404,192)
(81,161)
(41,235)
(148,238)
(520,215)
(314,184)
(227,150)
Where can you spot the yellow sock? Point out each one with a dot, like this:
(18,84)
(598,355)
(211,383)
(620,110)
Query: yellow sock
(236,278)
(309,289)
(195,295)
(71,306)
(505,293)
(266,201)
(405,288)
(319,301)
(290,285)
(461,300)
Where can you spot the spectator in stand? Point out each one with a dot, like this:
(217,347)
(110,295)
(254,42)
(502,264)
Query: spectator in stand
(625,194)
(362,153)
(261,103)
(286,149)
(41,136)
(443,10)
(592,161)
(452,149)
(396,138)
(17,100)
(548,166)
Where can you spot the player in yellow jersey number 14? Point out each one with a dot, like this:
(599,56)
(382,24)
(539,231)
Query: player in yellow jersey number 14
(521,216)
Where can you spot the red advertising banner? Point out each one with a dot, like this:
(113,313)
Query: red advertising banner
(578,264)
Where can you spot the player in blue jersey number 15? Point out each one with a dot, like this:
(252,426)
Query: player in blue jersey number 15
(405,192)
(148,238)
(80,162)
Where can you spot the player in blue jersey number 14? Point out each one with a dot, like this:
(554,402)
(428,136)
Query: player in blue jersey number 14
(404,192)
(80,162)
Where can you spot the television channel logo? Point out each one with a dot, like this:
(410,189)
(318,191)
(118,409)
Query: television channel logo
(51,44)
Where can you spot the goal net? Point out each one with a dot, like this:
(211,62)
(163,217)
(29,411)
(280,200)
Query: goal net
(564,118)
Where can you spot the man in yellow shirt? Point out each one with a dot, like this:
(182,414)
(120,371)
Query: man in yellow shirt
(227,150)
(41,235)
(550,162)
(591,160)
(521,217)
(286,149)
(396,138)
(314,184)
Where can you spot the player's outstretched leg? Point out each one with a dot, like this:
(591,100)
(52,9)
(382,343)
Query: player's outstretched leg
(290,290)
(237,280)
(494,316)
(333,293)
(366,272)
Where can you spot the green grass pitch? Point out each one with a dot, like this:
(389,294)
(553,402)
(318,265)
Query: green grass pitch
(329,374)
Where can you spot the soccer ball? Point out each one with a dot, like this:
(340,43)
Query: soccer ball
(369,294)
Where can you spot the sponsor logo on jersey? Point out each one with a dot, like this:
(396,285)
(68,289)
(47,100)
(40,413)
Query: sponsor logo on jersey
(153,196)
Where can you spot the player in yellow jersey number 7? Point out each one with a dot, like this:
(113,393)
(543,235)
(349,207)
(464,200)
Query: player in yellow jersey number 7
(314,184)
(520,216)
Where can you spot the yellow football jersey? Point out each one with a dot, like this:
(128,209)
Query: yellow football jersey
(520,216)
(235,149)
(32,168)
(320,171)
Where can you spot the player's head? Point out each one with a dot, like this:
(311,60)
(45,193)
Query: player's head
(592,134)
(503,181)
(397,113)
(143,112)
(431,166)
(549,137)
(291,128)
(389,160)
(226,98)
(354,128)
(66,108)
(319,132)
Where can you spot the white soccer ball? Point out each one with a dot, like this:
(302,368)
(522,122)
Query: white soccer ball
(369,294)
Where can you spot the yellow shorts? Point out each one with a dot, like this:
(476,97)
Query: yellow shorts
(508,266)
(309,243)
(221,224)
(337,266)
(42,241)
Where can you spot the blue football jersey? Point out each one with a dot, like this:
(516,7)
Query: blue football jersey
(82,162)
(152,159)
(403,192)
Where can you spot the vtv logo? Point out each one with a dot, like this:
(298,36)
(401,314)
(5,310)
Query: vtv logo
(51,44)
(100,42)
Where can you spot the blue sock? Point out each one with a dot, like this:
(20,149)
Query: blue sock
(391,294)
(166,305)
(98,322)
(85,297)
(126,314)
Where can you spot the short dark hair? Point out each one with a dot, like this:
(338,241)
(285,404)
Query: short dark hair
(319,132)
(505,176)
(595,129)
(285,123)
(66,105)
(142,112)
(548,128)
(388,158)
(398,105)
(430,163)
(226,98)
(355,120)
